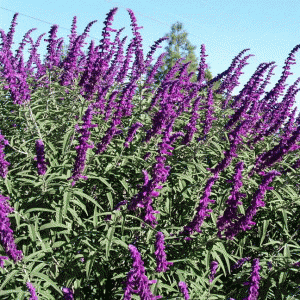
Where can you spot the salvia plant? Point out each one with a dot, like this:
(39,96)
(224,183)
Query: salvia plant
(114,189)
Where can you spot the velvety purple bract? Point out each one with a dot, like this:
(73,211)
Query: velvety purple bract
(184,290)
(254,281)
(161,262)
(213,269)
(32,291)
(40,158)
(137,282)
(68,293)
(6,233)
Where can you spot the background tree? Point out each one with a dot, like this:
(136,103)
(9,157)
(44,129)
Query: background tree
(179,46)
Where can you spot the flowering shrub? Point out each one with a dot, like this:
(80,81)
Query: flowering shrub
(127,190)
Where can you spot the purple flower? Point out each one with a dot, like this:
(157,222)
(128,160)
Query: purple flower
(83,146)
(68,293)
(213,269)
(245,222)
(191,126)
(40,158)
(254,281)
(6,234)
(131,133)
(137,282)
(202,210)
(230,214)
(297,264)
(162,263)
(210,110)
(240,262)
(183,288)
(31,289)
(202,66)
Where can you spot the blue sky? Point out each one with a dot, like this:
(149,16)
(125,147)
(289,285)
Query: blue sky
(269,28)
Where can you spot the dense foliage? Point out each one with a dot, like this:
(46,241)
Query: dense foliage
(134,190)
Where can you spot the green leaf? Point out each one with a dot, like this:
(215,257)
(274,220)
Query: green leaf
(33,183)
(39,209)
(58,214)
(51,147)
(67,138)
(272,242)
(199,167)
(8,185)
(168,205)
(76,217)
(48,280)
(95,217)
(21,295)
(39,267)
(82,194)
(80,204)
(220,247)
(67,196)
(286,251)
(291,192)
(124,183)
(38,254)
(53,224)
(46,295)
(216,256)
(218,147)
(8,292)
(7,279)
(179,273)
(108,167)
(89,264)
(103,180)
(109,237)
(110,200)
(32,232)
(121,243)
(277,195)
(58,244)
(265,227)
(284,215)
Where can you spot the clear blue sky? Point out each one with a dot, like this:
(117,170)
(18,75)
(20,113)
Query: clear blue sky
(269,28)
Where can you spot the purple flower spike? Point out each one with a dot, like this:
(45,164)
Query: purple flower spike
(183,288)
(230,214)
(6,234)
(136,278)
(162,263)
(240,262)
(68,294)
(31,289)
(213,268)
(254,281)
(131,133)
(83,146)
(202,210)
(40,158)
